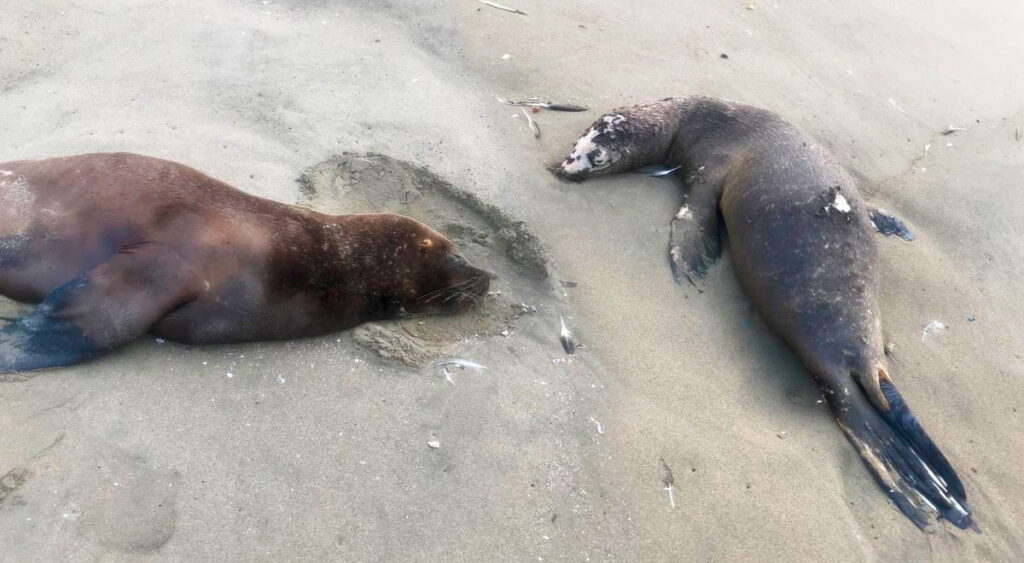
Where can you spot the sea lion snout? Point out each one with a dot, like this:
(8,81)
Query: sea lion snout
(586,159)
(455,287)
(459,263)
(601,150)
(557,169)
(475,281)
(577,167)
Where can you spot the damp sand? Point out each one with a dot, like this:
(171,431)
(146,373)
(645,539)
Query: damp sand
(317,449)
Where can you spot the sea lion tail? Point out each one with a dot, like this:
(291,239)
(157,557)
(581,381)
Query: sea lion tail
(902,457)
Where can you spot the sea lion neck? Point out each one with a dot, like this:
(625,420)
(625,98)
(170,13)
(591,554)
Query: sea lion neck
(709,126)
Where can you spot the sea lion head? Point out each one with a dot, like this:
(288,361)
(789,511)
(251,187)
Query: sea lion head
(598,150)
(420,271)
(623,140)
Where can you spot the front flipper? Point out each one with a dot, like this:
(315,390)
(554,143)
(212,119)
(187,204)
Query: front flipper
(888,224)
(694,242)
(109,306)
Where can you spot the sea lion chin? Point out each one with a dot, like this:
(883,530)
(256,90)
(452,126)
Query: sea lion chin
(113,246)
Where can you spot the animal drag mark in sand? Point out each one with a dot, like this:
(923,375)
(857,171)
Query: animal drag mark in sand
(802,245)
(112,246)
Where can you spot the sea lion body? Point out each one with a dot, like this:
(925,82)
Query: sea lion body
(801,240)
(116,245)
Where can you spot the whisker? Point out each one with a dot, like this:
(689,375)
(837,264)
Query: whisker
(465,294)
(446,296)
(434,293)
(452,286)
(447,293)
(427,297)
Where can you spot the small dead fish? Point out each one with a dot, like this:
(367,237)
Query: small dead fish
(951,129)
(459,362)
(543,105)
(500,7)
(657,170)
(532,123)
(566,337)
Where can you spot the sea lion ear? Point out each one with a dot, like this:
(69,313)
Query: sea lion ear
(425,244)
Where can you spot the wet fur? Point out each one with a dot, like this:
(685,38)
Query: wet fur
(159,247)
(801,241)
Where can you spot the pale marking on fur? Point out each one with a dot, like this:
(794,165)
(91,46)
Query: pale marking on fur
(579,161)
(839,204)
(942,484)
(881,470)
(925,500)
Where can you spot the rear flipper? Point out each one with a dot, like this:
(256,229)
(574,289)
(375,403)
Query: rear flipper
(901,456)
(42,338)
(889,224)
(694,241)
(111,305)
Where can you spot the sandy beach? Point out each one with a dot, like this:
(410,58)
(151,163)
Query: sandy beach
(355,447)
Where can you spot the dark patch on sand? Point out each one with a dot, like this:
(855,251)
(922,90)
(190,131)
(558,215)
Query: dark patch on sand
(12,481)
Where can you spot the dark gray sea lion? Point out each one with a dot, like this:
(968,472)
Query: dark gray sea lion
(801,241)
(113,246)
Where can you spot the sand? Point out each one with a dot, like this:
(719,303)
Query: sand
(323,448)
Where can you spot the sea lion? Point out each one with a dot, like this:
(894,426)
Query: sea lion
(113,246)
(801,242)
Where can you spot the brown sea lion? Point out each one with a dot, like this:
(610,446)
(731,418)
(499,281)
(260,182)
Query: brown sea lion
(801,241)
(113,246)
